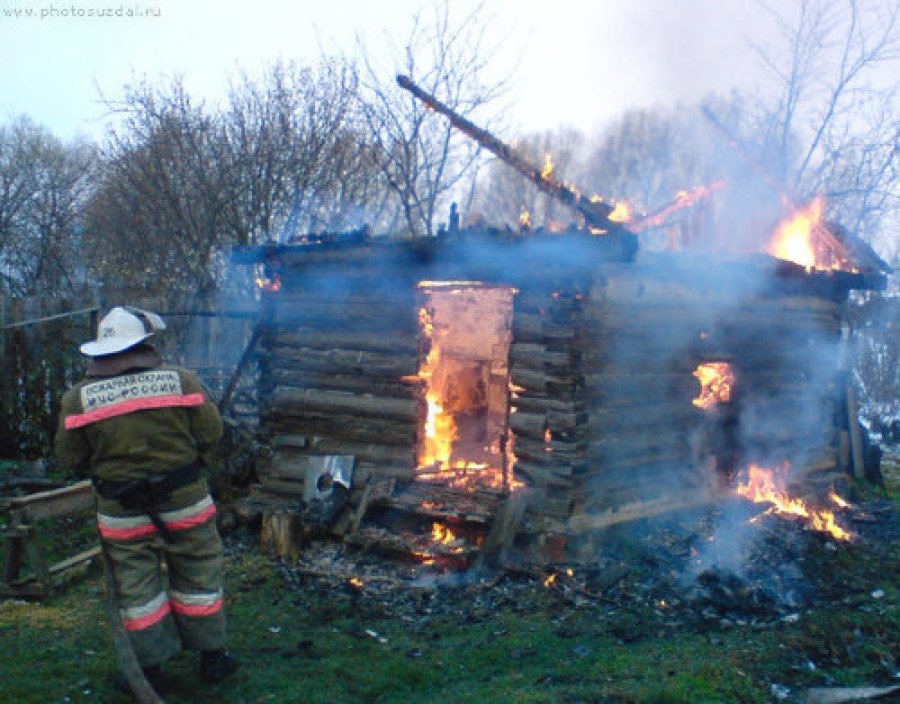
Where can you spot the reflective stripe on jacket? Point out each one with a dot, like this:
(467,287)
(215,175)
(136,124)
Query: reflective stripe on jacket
(130,527)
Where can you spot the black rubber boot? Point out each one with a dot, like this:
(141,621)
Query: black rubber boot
(216,665)
(155,679)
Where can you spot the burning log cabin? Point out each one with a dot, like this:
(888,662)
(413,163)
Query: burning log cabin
(488,384)
(484,384)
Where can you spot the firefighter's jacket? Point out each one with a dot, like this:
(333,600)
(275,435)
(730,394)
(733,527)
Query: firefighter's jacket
(131,419)
(154,419)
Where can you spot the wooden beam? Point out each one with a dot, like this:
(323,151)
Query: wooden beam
(57,502)
(858,463)
(648,509)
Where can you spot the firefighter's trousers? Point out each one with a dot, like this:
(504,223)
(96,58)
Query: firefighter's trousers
(169,593)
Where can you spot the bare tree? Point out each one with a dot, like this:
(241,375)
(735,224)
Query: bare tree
(835,124)
(646,156)
(157,221)
(44,185)
(298,150)
(425,161)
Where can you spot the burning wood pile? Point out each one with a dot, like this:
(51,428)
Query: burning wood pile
(487,392)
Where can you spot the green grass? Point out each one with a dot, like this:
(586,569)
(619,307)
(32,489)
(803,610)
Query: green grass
(310,645)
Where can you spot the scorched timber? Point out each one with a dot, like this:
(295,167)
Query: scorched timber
(599,469)
(387,386)
(340,286)
(534,425)
(376,454)
(368,364)
(336,316)
(352,428)
(350,340)
(647,439)
(523,403)
(543,477)
(539,383)
(539,358)
(315,400)
(435,500)
(536,327)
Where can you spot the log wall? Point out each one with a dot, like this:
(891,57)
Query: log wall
(548,416)
(649,328)
(339,341)
(601,361)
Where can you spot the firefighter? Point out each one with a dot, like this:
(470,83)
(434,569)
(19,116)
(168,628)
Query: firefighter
(140,428)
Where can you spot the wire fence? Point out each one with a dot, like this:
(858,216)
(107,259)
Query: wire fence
(39,340)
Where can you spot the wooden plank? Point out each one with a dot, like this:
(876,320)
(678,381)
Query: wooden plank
(535,424)
(648,509)
(313,338)
(335,316)
(57,502)
(370,452)
(505,526)
(341,426)
(79,560)
(295,376)
(289,401)
(525,403)
(366,364)
(856,440)
(35,556)
(538,383)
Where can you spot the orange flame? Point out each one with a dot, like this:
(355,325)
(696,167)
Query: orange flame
(768,486)
(683,199)
(525,218)
(622,212)
(716,382)
(440,428)
(839,501)
(442,534)
(547,170)
(793,238)
(355,582)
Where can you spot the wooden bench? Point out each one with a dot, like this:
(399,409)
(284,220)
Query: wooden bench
(21,545)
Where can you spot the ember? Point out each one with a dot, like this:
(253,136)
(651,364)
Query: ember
(716,382)
(768,486)
(272,284)
(840,502)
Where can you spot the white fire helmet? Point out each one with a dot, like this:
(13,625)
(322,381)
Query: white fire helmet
(122,328)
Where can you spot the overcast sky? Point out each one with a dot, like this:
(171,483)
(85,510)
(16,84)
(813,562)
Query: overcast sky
(577,62)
